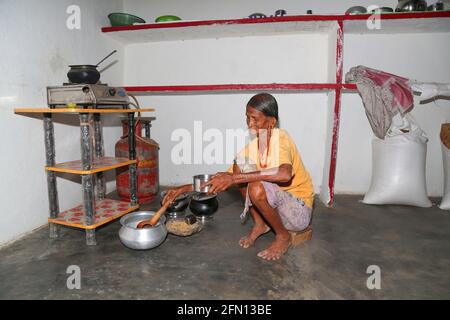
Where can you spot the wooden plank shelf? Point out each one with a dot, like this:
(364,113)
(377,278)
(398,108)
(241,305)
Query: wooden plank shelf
(98,165)
(106,211)
(238,88)
(405,22)
(79,110)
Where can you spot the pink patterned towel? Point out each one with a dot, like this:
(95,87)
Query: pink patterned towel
(383,95)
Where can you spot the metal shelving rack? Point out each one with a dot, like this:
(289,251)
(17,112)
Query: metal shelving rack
(95,210)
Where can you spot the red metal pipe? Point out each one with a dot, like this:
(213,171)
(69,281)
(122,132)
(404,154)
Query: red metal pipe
(241,87)
(337,111)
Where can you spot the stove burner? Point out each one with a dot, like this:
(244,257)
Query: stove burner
(87,95)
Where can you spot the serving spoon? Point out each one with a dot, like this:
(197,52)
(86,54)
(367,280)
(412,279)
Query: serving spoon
(154,220)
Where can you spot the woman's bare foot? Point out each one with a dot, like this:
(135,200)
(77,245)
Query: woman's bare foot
(254,234)
(276,249)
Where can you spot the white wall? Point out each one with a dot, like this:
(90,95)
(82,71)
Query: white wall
(420,56)
(35,50)
(280,59)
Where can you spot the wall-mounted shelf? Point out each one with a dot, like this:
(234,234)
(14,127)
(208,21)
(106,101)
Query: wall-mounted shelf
(206,29)
(238,88)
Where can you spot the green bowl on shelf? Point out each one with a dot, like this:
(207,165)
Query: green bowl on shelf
(167,18)
(118,19)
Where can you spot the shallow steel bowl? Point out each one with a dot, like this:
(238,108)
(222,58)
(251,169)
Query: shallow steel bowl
(356,10)
(141,239)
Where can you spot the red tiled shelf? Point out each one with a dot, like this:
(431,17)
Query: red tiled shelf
(105,211)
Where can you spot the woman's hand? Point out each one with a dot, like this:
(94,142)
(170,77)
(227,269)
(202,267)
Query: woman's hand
(172,194)
(219,182)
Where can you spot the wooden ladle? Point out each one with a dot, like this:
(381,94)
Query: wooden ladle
(154,220)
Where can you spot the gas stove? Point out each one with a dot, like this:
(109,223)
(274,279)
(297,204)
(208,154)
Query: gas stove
(95,96)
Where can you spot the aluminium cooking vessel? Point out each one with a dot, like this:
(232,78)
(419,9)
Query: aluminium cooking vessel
(142,239)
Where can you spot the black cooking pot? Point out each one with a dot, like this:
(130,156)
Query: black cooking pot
(86,73)
(205,207)
(83,73)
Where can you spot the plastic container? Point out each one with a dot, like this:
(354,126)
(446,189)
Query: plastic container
(167,18)
(118,19)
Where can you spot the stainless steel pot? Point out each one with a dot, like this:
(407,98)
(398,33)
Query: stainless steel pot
(198,180)
(411,5)
(141,239)
(382,10)
(356,10)
(438,6)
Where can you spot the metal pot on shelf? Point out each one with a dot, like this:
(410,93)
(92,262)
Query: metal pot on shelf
(438,6)
(411,5)
(382,10)
(356,10)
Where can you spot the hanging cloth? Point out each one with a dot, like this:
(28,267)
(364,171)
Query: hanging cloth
(384,95)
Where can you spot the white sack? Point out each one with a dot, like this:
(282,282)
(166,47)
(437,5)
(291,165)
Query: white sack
(398,169)
(445,202)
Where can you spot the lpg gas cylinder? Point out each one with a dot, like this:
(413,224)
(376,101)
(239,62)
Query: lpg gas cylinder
(147,163)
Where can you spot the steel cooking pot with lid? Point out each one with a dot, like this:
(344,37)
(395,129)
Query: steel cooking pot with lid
(411,5)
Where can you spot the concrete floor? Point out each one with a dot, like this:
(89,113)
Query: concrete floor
(410,245)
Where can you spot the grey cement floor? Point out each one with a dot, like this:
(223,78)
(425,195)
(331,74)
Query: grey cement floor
(410,245)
